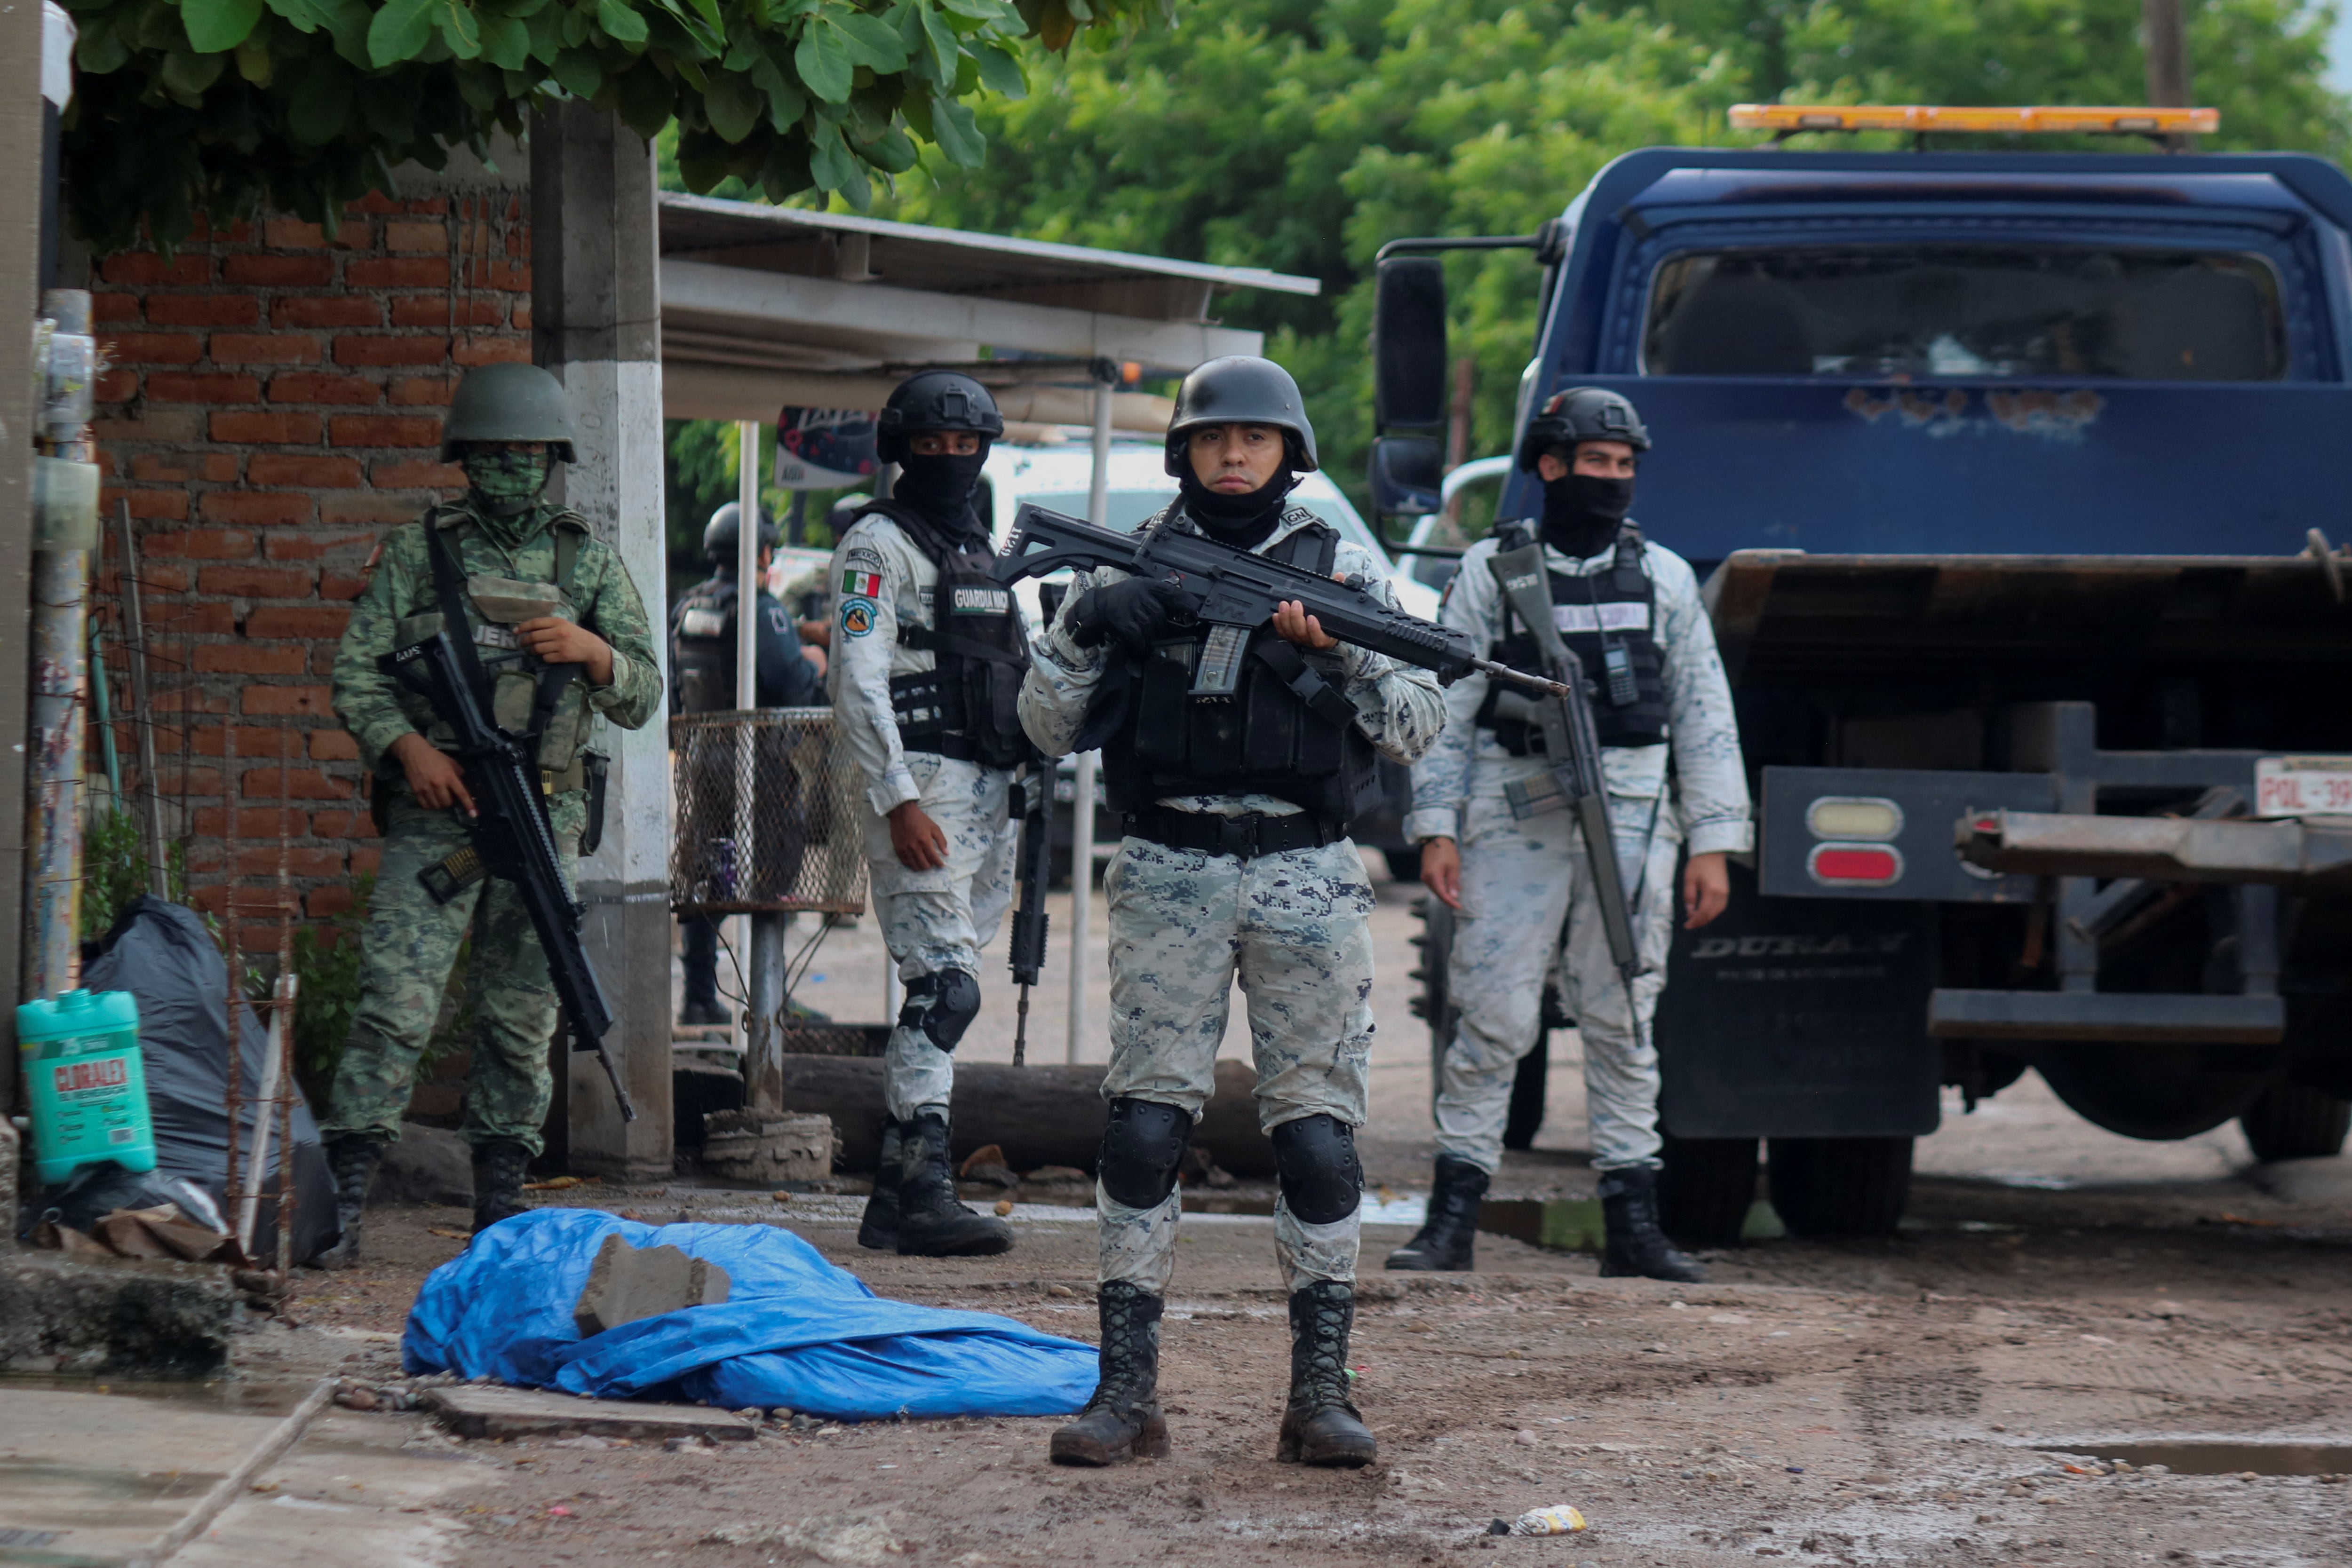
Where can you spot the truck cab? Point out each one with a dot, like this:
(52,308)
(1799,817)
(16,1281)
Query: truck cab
(2010,477)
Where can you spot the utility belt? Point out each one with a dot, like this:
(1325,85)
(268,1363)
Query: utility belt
(588,771)
(1245,836)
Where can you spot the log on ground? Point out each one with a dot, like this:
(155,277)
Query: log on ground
(1040,1115)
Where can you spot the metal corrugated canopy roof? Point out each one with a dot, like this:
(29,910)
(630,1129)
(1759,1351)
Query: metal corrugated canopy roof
(762,305)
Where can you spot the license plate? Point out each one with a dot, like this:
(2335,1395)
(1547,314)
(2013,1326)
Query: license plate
(2303,786)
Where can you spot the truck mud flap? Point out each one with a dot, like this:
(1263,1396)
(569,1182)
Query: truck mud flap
(1800,1018)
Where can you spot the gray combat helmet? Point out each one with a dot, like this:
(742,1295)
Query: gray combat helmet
(1577,414)
(1242,389)
(723,537)
(509,403)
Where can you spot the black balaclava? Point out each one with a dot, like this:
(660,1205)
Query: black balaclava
(1244,521)
(1582,512)
(940,487)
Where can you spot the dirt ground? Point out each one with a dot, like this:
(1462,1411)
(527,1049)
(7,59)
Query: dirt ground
(1938,1398)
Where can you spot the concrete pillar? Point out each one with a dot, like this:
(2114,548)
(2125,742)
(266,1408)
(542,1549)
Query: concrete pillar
(595,322)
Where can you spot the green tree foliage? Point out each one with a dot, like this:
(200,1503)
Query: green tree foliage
(1300,134)
(224,107)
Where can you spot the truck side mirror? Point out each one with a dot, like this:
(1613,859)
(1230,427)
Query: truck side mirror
(1409,346)
(1408,475)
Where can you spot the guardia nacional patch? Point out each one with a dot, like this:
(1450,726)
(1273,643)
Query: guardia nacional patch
(857,617)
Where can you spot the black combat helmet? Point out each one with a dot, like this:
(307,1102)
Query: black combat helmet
(723,537)
(1242,389)
(509,403)
(1581,413)
(934,400)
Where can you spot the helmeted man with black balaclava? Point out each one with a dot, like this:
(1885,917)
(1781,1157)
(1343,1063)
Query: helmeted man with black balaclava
(929,651)
(702,629)
(1511,861)
(1238,759)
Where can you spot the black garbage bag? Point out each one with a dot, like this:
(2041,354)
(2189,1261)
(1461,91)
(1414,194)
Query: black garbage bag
(160,953)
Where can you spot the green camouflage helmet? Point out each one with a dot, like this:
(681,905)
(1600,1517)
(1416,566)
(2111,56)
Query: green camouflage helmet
(509,403)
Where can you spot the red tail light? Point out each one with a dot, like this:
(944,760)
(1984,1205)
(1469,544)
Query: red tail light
(1855,865)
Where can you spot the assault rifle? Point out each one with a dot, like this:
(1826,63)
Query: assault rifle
(1034,866)
(1241,589)
(1572,746)
(509,834)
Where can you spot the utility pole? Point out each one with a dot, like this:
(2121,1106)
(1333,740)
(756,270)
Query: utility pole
(2167,59)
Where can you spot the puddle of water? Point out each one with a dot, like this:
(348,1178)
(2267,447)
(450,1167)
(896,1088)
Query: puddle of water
(2222,1456)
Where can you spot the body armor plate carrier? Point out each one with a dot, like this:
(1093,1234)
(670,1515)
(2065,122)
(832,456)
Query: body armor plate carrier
(1220,710)
(1609,621)
(965,706)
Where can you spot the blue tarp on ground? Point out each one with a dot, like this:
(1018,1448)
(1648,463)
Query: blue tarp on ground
(795,1331)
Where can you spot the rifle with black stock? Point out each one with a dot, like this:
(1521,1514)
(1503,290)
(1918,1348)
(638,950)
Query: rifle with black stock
(1572,746)
(510,833)
(1241,589)
(1034,867)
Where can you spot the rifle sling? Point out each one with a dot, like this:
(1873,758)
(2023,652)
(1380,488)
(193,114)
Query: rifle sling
(450,587)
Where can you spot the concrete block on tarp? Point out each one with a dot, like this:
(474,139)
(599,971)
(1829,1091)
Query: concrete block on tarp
(626,1283)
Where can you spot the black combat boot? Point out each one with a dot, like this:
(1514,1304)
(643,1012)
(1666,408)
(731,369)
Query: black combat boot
(1637,1249)
(498,1167)
(352,1161)
(879,1229)
(1321,1427)
(931,1223)
(701,1005)
(1122,1421)
(1443,1242)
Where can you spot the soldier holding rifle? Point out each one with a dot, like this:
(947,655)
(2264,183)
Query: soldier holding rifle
(1239,738)
(1504,845)
(560,637)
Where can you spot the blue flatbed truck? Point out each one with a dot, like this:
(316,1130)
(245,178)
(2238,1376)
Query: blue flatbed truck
(2008,476)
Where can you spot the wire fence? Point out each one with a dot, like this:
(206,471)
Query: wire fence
(765,817)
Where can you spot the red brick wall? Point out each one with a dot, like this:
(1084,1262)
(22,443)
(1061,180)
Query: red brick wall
(273,406)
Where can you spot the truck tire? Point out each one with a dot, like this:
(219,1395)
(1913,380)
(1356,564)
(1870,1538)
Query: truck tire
(1840,1186)
(2295,1121)
(1527,1091)
(1707,1187)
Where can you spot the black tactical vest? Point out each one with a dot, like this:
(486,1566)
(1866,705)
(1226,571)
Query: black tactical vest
(702,647)
(966,704)
(1225,711)
(1605,618)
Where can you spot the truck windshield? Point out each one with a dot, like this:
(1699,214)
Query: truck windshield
(1950,309)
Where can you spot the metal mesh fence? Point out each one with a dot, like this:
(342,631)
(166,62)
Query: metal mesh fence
(765,816)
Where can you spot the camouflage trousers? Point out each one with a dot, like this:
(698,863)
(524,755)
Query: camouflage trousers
(1293,929)
(406,956)
(1520,882)
(937,920)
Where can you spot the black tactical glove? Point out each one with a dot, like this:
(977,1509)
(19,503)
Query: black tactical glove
(1133,612)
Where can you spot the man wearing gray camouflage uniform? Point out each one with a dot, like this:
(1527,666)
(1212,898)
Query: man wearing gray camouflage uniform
(540,593)
(1630,611)
(928,655)
(1235,862)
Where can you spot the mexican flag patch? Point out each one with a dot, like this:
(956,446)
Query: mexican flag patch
(862,584)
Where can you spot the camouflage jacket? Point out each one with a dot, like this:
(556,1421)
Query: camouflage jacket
(1710,781)
(400,603)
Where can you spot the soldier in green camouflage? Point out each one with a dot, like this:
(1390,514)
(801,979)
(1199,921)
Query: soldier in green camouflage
(537,590)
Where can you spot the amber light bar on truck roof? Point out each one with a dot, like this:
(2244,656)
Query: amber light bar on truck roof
(1789,118)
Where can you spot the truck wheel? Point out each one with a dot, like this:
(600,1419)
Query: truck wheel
(2293,1122)
(1840,1186)
(1706,1189)
(1527,1089)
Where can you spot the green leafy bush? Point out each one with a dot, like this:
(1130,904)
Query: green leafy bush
(226,106)
(327,973)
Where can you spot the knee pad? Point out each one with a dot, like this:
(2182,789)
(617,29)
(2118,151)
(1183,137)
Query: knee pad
(1141,1150)
(1321,1178)
(941,1006)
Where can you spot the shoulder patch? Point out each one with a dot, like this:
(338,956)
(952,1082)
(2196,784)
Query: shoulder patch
(857,617)
(859,583)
